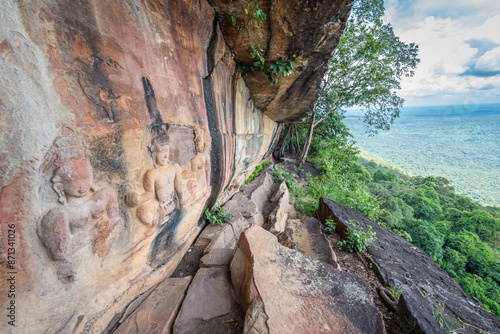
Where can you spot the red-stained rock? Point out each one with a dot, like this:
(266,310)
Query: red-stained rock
(285,291)
(93,93)
(157,313)
(208,304)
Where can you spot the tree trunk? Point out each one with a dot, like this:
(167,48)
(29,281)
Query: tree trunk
(292,145)
(297,139)
(307,142)
(283,143)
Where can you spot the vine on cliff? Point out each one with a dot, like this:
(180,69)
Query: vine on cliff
(282,67)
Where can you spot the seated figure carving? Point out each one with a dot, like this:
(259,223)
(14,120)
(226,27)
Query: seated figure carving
(162,187)
(85,217)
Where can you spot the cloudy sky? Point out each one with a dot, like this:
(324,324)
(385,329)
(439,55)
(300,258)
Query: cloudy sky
(459,49)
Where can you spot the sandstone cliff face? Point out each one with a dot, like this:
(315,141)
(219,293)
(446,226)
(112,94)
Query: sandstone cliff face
(120,121)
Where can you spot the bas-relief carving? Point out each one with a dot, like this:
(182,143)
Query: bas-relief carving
(197,172)
(86,216)
(162,187)
(169,185)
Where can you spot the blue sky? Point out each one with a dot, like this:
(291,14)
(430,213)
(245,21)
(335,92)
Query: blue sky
(459,44)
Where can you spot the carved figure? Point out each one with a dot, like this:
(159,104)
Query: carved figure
(85,215)
(162,185)
(198,172)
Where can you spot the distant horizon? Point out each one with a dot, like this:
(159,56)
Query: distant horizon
(356,110)
(459,142)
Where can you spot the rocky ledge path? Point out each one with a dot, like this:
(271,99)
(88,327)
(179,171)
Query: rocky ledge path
(272,271)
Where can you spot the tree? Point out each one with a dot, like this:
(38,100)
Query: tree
(366,70)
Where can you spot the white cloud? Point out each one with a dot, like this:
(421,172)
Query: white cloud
(445,49)
(490,61)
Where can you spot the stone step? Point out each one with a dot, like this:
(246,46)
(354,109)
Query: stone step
(309,238)
(158,311)
(210,306)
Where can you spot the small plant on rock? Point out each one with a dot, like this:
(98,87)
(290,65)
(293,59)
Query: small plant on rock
(280,175)
(403,234)
(357,239)
(395,292)
(256,172)
(329,226)
(218,215)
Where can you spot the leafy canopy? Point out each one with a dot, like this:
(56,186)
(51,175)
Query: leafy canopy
(367,68)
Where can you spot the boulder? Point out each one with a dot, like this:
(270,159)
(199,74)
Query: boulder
(157,313)
(277,218)
(308,236)
(228,236)
(427,290)
(308,29)
(285,291)
(217,257)
(209,303)
(240,206)
(260,189)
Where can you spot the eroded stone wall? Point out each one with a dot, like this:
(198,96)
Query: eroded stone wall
(120,122)
(108,114)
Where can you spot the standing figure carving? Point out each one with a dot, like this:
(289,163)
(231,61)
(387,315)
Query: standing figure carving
(162,187)
(85,217)
(198,171)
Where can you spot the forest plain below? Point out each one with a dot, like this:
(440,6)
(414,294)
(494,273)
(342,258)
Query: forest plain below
(460,143)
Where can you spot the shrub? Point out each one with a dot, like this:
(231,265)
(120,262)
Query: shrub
(357,239)
(403,234)
(329,226)
(280,175)
(218,215)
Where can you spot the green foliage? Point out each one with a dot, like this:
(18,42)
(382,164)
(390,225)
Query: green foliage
(479,254)
(253,12)
(280,175)
(330,226)
(484,289)
(426,237)
(357,239)
(256,171)
(395,292)
(337,160)
(403,234)
(218,215)
(273,70)
(283,67)
(455,231)
(367,68)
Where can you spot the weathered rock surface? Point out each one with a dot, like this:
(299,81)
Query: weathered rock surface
(240,206)
(260,190)
(285,291)
(209,303)
(425,287)
(121,121)
(309,238)
(157,313)
(217,257)
(277,218)
(310,30)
